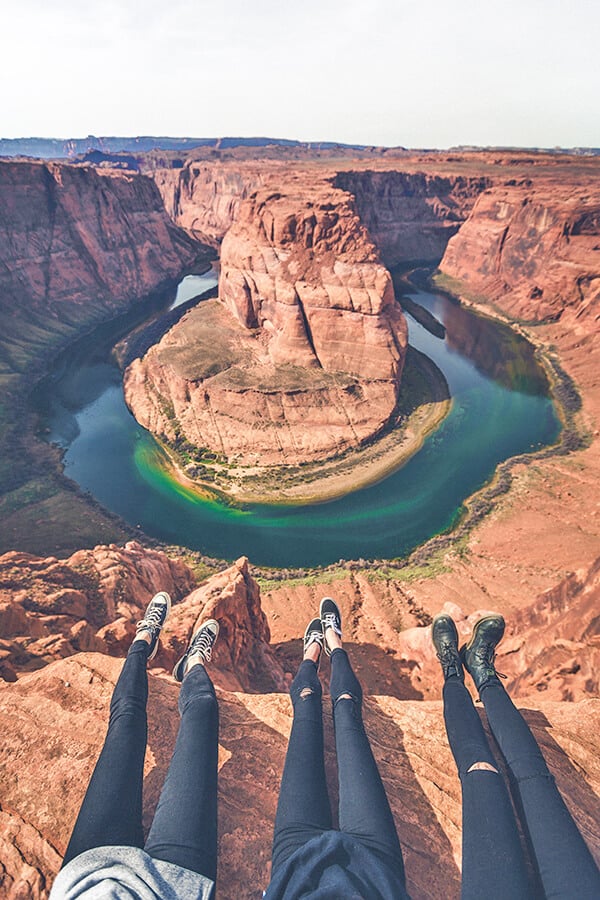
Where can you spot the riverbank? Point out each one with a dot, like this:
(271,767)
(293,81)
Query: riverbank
(423,404)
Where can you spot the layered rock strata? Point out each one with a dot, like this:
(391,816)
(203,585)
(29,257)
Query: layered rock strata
(204,198)
(77,245)
(92,601)
(411,215)
(532,248)
(304,358)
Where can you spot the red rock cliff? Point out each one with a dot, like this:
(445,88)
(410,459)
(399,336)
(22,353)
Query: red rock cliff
(77,245)
(532,247)
(410,216)
(204,198)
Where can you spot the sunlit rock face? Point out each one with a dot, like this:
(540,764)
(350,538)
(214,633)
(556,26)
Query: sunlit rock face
(77,234)
(77,245)
(304,357)
(303,263)
(532,249)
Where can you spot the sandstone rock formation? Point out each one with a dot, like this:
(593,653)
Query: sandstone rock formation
(315,367)
(204,198)
(527,243)
(58,716)
(76,245)
(532,247)
(410,216)
(51,608)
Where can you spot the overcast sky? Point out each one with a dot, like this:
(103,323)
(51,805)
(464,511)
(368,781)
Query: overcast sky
(418,73)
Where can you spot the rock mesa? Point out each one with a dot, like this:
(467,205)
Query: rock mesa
(303,358)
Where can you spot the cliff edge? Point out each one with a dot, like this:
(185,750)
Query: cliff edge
(54,715)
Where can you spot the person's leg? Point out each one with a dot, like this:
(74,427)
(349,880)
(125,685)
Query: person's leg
(493,864)
(184,829)
(303,810)
(111,812)
(364,810)
(565,864)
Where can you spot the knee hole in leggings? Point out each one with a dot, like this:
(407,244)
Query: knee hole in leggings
(482,767)
(347,696)
(305,693)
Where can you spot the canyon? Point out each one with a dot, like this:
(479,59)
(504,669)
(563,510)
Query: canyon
(516,236)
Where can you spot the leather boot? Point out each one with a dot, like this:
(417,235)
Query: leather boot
(479,653)
(445,640)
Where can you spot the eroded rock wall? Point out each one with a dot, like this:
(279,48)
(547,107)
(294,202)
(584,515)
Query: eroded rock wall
(411,215)
(204,198)
(531,248)
(77,245)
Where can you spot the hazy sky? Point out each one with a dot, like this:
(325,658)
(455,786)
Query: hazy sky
(420,73)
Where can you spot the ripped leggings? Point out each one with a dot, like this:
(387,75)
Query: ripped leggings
(493,859)
(303,811)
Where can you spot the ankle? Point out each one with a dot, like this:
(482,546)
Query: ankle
(312,653)
(334,641)
(143,636)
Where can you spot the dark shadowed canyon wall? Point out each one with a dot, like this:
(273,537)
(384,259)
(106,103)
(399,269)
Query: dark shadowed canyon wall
(411,216)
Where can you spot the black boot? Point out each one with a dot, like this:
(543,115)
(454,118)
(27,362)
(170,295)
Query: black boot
(479,654)
(445,640)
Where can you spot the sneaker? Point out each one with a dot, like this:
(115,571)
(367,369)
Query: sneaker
(201,644)
(445,640)
(314,635)
(331,617)
(479,653)
(154,618)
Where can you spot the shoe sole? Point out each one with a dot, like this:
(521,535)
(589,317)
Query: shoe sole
(181,662)
(331,600)
(160,594)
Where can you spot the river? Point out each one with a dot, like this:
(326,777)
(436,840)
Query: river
(501,407)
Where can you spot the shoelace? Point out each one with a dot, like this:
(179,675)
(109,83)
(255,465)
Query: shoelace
(204,645)
(313,636)
(152,620)
(486,656)
(448,656)
(330,621)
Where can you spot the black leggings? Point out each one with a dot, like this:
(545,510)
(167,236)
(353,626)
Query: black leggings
(493,863)
(184,830)
(303,811)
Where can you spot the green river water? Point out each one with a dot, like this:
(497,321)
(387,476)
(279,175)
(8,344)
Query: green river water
(501,407)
